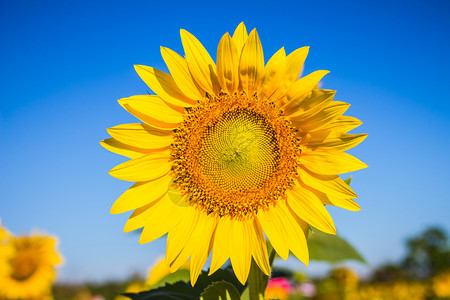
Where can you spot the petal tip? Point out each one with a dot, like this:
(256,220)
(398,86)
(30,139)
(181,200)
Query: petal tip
(115,210)
(184,32)
(102,143)
(142,240)
(306,262)
(122,101)
(241,25)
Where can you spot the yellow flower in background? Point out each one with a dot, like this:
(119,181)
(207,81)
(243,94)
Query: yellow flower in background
(134,287)
(31,268)
(233,151)
(157,276)
(441,284)
(6,252)
(3,234)
(397,290)
(346,278)
(159,271)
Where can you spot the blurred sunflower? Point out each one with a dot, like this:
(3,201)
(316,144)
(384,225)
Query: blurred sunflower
(31,268)
(6,252)
(440,285)
(134,287)
(346,278)
(159,272)
(233,151)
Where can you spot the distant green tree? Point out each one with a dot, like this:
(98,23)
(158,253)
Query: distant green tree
(389,272)
(428,254)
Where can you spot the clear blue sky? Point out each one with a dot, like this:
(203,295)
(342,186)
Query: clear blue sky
(63,64)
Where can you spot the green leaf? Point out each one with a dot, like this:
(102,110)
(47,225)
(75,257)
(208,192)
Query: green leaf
(182,290)
(331,248)
(220,275)
(177,291)
(221,290)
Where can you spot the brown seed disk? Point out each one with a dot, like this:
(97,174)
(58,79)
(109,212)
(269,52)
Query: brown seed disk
(233,155)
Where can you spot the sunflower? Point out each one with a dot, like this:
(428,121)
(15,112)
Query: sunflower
(160,271)
(6,252)
(230,152)
(31,268)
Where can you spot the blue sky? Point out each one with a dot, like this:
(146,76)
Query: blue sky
(63,64)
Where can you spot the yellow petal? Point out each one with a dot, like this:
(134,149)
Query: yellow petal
(331,140)
(179,70)
(197,242)
(308,207)
(142,193)
(181,259)
(337,200)
(161,218)
(141,136)
(336,191)
(272,75)
(295,62)
(153,111)
(332,111)
(330,162)
(317,101)
(179,236)
(259,246)
(294,66)
(295,236)
(227,64)
(220,253)
(271,224)
(240,37)
(163,85)
(303,225)
(201,244)
(201,65)
(251,63)
(147,167)
(342,124)
(301,89)
(327,183)
(239,244)
(345,203)
(139,216)
(117,147)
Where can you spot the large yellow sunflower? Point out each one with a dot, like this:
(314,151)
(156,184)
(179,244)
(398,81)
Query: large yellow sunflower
(31,268)
(233,151)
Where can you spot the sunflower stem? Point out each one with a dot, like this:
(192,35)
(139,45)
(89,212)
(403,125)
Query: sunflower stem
(257,280)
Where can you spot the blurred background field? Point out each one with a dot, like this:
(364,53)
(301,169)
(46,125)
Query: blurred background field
(63,65)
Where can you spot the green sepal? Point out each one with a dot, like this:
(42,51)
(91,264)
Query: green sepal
(348,180)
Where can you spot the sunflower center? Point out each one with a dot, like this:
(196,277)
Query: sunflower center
(24,264)
(239,151)
(234,155)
